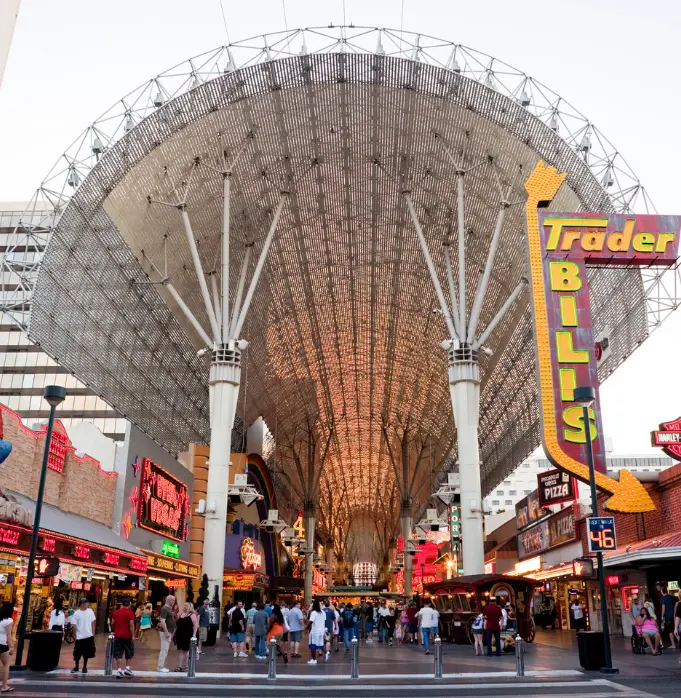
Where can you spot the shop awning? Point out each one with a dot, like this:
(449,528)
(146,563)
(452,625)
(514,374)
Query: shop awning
(661,548)
(74,526)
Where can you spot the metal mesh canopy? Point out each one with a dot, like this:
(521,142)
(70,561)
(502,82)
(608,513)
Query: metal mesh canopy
(342,328)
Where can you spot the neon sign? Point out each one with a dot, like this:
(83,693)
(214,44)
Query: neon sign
(560,245)
(669,438)
(58,446)
(250,558)
(163,502)
(9,536)
(110,558)
(48,545)
(81,551)
(138,564)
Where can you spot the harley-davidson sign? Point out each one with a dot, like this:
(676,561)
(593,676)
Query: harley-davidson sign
(668,438)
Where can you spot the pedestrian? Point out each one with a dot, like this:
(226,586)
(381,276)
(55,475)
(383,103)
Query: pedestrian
(577,610)
(203,613)
(84,621)
(6,648)
(250,626)
(649,605)
(123,628)
(413,627)
(260,631)
(276,629)
(646,626)
(166,628)
(383,613)
(369,622)
(426,619)
(237,630)
(478,630)
(493,618)
(296,619)
(677,622)
(390,622)
(186,626)
(635,610)
(57,617)
(285,610)
(348,619)
(667,605)
(404,625)
(329,627)
(317,626)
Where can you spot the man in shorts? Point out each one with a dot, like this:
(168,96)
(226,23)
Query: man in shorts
(123,623)
(204,623)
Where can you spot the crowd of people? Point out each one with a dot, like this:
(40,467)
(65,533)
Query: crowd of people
(327,626)
(652,632)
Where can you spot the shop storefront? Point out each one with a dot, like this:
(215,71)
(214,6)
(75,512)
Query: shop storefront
(153,512)
(244,586)
(86,568)
(169,575)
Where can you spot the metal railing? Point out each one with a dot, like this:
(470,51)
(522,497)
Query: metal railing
(191,661)
(272,661)
(108,656)
(437,646)
(354,658)
(519,656)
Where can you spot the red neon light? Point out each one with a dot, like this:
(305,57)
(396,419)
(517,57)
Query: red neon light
(81,551)
(613,580)
(163,502)
(9,536)
(111,558)
(48,545)
(138,564)
(58,447)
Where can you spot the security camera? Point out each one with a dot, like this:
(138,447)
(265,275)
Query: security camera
(412,552)
(242,344)
(202,352)
(446,344)
(486,351)
(269,528)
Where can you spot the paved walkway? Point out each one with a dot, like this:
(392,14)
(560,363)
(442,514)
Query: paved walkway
(553,653)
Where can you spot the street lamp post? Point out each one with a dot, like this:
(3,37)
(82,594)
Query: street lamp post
(54,395)
(585,396)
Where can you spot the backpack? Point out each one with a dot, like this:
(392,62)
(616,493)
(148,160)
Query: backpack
(478,622)
(348,618)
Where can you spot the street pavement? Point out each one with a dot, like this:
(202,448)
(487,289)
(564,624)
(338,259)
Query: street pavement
(551,669)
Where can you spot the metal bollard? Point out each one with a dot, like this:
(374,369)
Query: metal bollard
(519,656)
(437,644)
(354,659)
(272,661)
(191,662)
(108,656)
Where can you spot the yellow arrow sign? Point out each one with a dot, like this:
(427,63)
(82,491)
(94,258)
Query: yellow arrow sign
(628,494)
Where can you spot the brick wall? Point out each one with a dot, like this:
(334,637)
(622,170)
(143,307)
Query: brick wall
(81,488)
(666,518)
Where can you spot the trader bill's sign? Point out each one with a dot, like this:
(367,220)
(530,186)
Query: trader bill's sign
(549,533)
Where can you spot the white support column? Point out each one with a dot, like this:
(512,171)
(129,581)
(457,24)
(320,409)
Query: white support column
(240,291)
(484,282)
(259,266)
(216,293)
(499,316)
(310,523)
(462,254)
(201,277)
(464,388)
(452,293)
(225,376)
(223,312)
(330,562)
(405,515)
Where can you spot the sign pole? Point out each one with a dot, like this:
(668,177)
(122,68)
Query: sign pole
(586,396)
(54,395)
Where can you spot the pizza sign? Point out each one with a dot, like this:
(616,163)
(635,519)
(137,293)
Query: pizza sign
(668,437)
(555,487)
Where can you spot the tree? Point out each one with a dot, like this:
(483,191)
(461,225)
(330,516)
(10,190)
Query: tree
(204,591)
(190,591)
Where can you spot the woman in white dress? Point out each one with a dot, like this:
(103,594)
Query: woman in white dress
(317,626)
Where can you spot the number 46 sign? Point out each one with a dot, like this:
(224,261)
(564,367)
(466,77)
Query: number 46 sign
(601,530)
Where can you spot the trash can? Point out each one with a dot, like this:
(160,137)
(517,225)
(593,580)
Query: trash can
(44,650)
(591,649)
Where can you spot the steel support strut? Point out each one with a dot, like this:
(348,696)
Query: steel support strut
(405,515)
(310,522)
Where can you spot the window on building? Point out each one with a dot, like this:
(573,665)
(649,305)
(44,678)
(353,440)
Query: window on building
(500,492)
(526,465)
(527,491)
(495,502)
(508,502)
(512,493)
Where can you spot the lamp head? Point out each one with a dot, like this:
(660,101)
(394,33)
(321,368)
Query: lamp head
(585,395)
(54,395)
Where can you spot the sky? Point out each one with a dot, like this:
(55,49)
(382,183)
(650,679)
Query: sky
(617,61)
